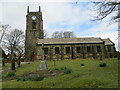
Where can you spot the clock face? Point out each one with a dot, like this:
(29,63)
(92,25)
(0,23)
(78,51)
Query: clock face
(33,17)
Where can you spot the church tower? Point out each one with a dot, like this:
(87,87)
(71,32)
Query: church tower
(34,31)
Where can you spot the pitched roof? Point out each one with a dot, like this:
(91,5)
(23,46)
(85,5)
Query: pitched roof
(69,40)
(108,42)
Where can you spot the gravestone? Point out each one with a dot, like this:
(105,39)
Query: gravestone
(43,64)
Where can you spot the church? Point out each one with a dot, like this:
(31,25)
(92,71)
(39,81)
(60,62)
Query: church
(62,48)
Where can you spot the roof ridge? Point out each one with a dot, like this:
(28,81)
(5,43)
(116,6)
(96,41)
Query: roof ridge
(71,38)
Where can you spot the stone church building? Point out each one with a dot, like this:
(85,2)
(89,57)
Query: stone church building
(62,48)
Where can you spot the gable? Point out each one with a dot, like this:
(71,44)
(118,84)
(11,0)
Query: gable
(108,42)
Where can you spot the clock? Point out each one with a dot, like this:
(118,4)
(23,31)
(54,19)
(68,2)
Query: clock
(33,17)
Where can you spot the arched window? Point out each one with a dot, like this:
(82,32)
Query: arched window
(33,25)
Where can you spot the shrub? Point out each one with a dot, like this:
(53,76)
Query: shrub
(10,74)
(37,78)
(56,69)
(24,79)
(63,68)
(1,76)
(82,64)
(18,79)
(32,78)
(102,65)
(21,78)
(67,71)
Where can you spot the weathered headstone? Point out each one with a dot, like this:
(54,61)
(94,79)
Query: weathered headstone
(43,64)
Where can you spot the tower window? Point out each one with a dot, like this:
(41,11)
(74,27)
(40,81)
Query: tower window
(67,50)
(57,50)
(78,49)
(33,25)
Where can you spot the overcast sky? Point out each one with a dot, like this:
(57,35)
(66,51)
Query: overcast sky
(59,15)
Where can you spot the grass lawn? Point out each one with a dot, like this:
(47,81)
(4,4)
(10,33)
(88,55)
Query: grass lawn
(88,76)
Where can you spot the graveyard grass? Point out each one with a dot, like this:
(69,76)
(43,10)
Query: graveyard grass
(88,76)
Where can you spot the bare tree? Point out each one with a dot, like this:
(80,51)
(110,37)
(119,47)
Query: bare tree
(45,34)
(68,34)
(106,7)
(20,53)
(3,30)
(65,34)
(13,42)
(57,34)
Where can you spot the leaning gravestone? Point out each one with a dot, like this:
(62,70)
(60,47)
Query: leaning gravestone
(43,64)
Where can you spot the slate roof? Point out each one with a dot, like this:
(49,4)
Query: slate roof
(108,42)
(69,40)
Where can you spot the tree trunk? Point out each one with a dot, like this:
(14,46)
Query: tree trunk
(19,63)
(3,63)
(13,64)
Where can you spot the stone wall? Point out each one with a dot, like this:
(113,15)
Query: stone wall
(109,51)
(73,54)
(33,34)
